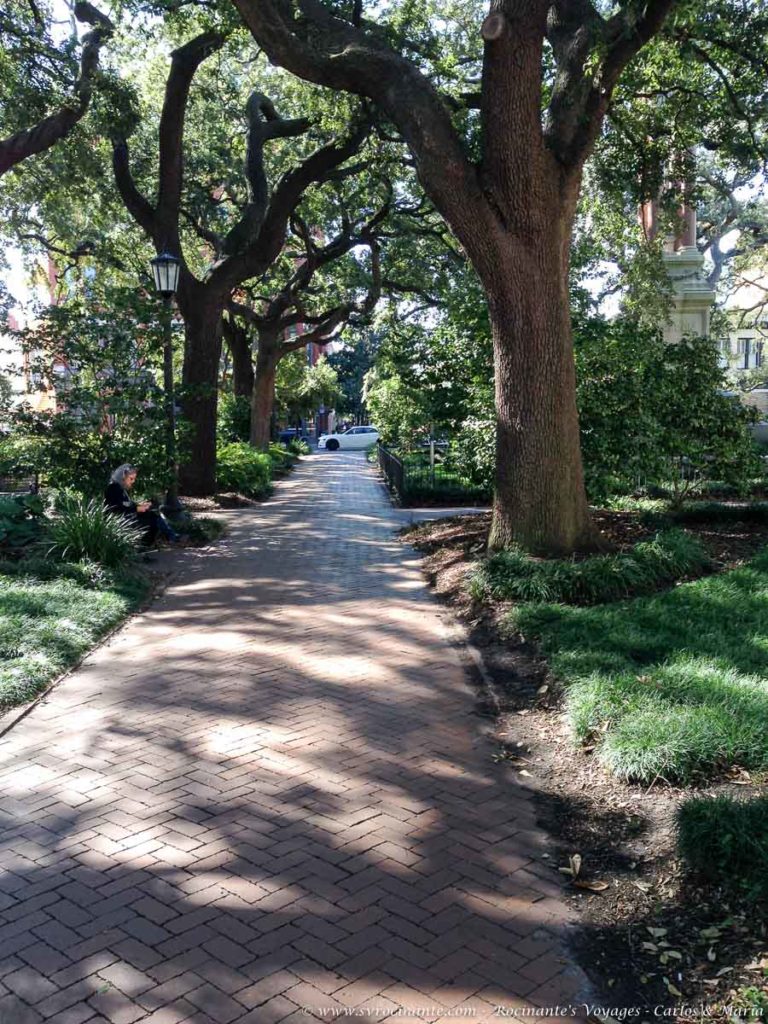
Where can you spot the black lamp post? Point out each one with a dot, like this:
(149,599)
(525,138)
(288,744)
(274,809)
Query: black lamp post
(165,271)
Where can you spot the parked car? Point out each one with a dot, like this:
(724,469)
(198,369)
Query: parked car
(292,434)
(354,439)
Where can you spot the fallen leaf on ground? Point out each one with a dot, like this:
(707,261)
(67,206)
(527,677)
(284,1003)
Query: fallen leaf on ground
(591,886)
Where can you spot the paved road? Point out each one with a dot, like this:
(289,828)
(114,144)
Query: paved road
(268,795)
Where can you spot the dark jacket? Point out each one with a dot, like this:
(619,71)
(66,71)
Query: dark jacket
(117,499)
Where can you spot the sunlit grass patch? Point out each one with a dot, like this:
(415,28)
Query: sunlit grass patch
(670,686)
(50,617)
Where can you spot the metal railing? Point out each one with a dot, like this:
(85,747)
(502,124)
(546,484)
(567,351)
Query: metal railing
(392,470)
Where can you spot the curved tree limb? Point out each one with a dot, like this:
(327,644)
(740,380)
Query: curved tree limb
(137,205)
(288,193)
(263,124)
(184,63)
(319,47)
(51,129)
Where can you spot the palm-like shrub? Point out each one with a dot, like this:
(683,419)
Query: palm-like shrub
(84,530)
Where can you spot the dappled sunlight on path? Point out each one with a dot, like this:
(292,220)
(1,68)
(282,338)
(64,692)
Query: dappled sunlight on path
(267,799)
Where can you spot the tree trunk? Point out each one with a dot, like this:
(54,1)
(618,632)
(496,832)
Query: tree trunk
(540,500)
(202,353)
(263,398)
(242,360)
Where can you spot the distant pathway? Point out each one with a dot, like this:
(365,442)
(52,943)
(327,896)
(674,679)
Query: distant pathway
(267,800)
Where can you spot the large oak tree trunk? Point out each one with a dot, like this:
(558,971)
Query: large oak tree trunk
(540,500)
(263,395)
(202,354)
(242,359)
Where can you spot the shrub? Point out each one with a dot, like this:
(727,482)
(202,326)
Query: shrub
(84,530)
(234,416)
(298,446)
(514,575)
(242,469)
(473,451)
(280,458)
(725,841)
(21,520)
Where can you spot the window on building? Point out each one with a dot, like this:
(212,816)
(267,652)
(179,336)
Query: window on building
(759,353)
(744,349)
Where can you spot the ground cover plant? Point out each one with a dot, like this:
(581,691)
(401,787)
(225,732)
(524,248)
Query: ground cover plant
(670,686)
(725,841)
(51,615)
(514,575)
(650,920)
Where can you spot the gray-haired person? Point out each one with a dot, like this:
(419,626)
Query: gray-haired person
(118,501)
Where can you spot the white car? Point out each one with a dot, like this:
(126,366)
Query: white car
(354,439)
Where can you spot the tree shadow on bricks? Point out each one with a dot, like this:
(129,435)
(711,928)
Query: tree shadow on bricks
(269,795)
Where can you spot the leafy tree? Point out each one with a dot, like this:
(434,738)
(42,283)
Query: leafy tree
(35,77)
(655,413)
(352,363)
(650,414)
(220,250)
(102,358)
(504,167)
(284,324)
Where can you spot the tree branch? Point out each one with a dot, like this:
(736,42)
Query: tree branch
(581,97)
(51,129)
(319,47)
(266,247)
(184,63)
(136,204)
(263,125)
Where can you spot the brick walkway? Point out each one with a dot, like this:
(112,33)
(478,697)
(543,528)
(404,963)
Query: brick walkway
(268,796)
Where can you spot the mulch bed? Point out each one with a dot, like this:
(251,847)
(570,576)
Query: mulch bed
(650,937)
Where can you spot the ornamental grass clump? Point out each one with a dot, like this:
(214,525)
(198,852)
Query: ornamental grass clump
(513,575)
(725,841)
(83,530)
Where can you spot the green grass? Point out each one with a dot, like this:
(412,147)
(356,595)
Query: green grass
(514,575)
(51,615)
(671,686)
(725,841)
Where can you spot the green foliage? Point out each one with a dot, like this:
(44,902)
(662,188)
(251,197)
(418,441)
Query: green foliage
(397,410)
(513,575)
(6,396)
(21,520)
(653,413)
(725,841)
(671,686)
(51,614)
(351,365)
(109,405)
(320,385)
(281,458)
(234,414)
(473,448)
(243,470)
(297,446)
(434,376)
(83,530)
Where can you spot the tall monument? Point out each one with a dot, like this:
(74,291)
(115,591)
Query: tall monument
(692,296)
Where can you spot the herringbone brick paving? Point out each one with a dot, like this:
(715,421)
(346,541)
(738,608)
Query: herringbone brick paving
(266,799)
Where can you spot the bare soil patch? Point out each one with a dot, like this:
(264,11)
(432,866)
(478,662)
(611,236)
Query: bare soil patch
(651,937)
